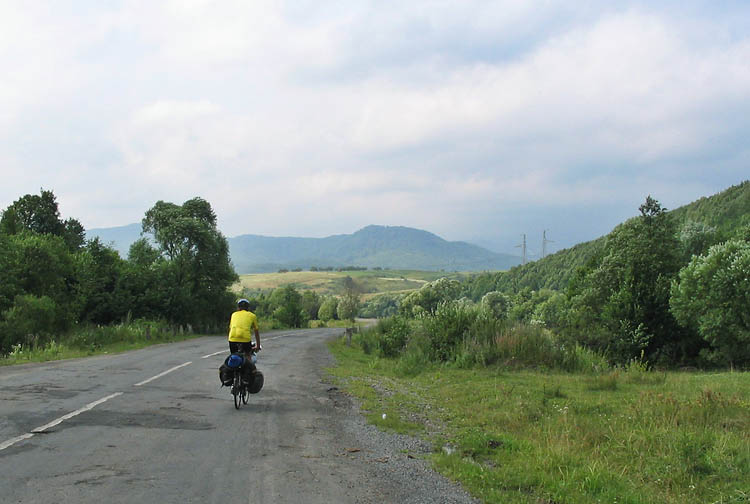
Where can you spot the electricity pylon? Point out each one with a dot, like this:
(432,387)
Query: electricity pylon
(523,248)
(545,241)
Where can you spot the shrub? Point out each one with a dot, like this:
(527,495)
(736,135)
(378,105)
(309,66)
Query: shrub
(448,327)
(497,303)
(31,322)
(327,309)
(394,334)
(415,357)
(712,297)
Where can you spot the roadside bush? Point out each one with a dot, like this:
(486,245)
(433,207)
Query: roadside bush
(30,322)
(394,334)
(93,337)
(528,345)
(448,327)
(368,340)
(478,347)
(415,357)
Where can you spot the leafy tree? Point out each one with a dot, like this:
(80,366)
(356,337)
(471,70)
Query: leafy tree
(40,214)
(627,293)
(713,296)
(142,253)
(349,302)
(311,304)
(497,303)
(696,238)
(429,296)
(197,264)
(553,311)
(525,303)
(328,309)
(73,234)
(37,279)
(380,306)
(347,308)
(287,303)
(41,265)
(98,272)
(8,279)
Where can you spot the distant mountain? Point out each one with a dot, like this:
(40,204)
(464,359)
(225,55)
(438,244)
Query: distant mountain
(393,247)
(119,238)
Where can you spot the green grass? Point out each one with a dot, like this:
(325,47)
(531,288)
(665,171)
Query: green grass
(625,436)
(93,341)
(372,282)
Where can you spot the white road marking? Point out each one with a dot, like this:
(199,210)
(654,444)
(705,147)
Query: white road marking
(43,428)
(15,440)
(74,413)
(162,374)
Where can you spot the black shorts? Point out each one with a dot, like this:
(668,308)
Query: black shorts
(236,347)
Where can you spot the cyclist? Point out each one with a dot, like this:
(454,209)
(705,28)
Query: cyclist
(241,328)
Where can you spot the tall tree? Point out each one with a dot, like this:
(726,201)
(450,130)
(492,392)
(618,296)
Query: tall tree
(628,291)
(197,259)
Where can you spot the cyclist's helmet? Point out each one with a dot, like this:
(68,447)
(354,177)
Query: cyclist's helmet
(243,304)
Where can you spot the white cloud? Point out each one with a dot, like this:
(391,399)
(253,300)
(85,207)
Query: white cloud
(318,118)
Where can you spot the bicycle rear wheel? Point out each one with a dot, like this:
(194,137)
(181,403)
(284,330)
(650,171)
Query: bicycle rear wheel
(237,390)
(245,394)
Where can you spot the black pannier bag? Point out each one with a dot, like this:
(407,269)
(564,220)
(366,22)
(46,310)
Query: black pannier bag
(247,372)
(226,375)
(257,383)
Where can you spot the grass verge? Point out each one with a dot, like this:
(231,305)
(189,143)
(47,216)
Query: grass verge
(94,341)
(519,436)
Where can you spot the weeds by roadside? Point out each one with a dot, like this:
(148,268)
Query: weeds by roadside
(91,340)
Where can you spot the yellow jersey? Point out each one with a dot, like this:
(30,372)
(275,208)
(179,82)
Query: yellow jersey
(241,326)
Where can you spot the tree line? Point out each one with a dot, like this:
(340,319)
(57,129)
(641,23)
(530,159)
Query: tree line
(54,281)
(288,307)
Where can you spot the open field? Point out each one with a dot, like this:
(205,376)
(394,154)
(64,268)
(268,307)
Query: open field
(371,282)
(624,436)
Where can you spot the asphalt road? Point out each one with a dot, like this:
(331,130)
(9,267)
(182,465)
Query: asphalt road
(110,429)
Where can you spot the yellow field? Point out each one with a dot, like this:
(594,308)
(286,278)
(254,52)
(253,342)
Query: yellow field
(371,282)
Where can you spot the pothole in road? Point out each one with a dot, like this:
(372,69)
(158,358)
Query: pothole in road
(145,420)
(48,389)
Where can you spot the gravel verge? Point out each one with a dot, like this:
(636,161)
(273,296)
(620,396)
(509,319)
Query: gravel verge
(396,461)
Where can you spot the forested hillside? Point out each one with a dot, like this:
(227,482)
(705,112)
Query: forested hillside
(664,287)
(700,224)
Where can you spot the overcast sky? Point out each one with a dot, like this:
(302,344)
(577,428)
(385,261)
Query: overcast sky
(477,121)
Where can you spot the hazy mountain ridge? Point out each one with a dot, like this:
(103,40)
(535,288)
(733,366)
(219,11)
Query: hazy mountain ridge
(395,247)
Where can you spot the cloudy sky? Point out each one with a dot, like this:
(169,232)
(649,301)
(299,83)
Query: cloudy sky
(477,121)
